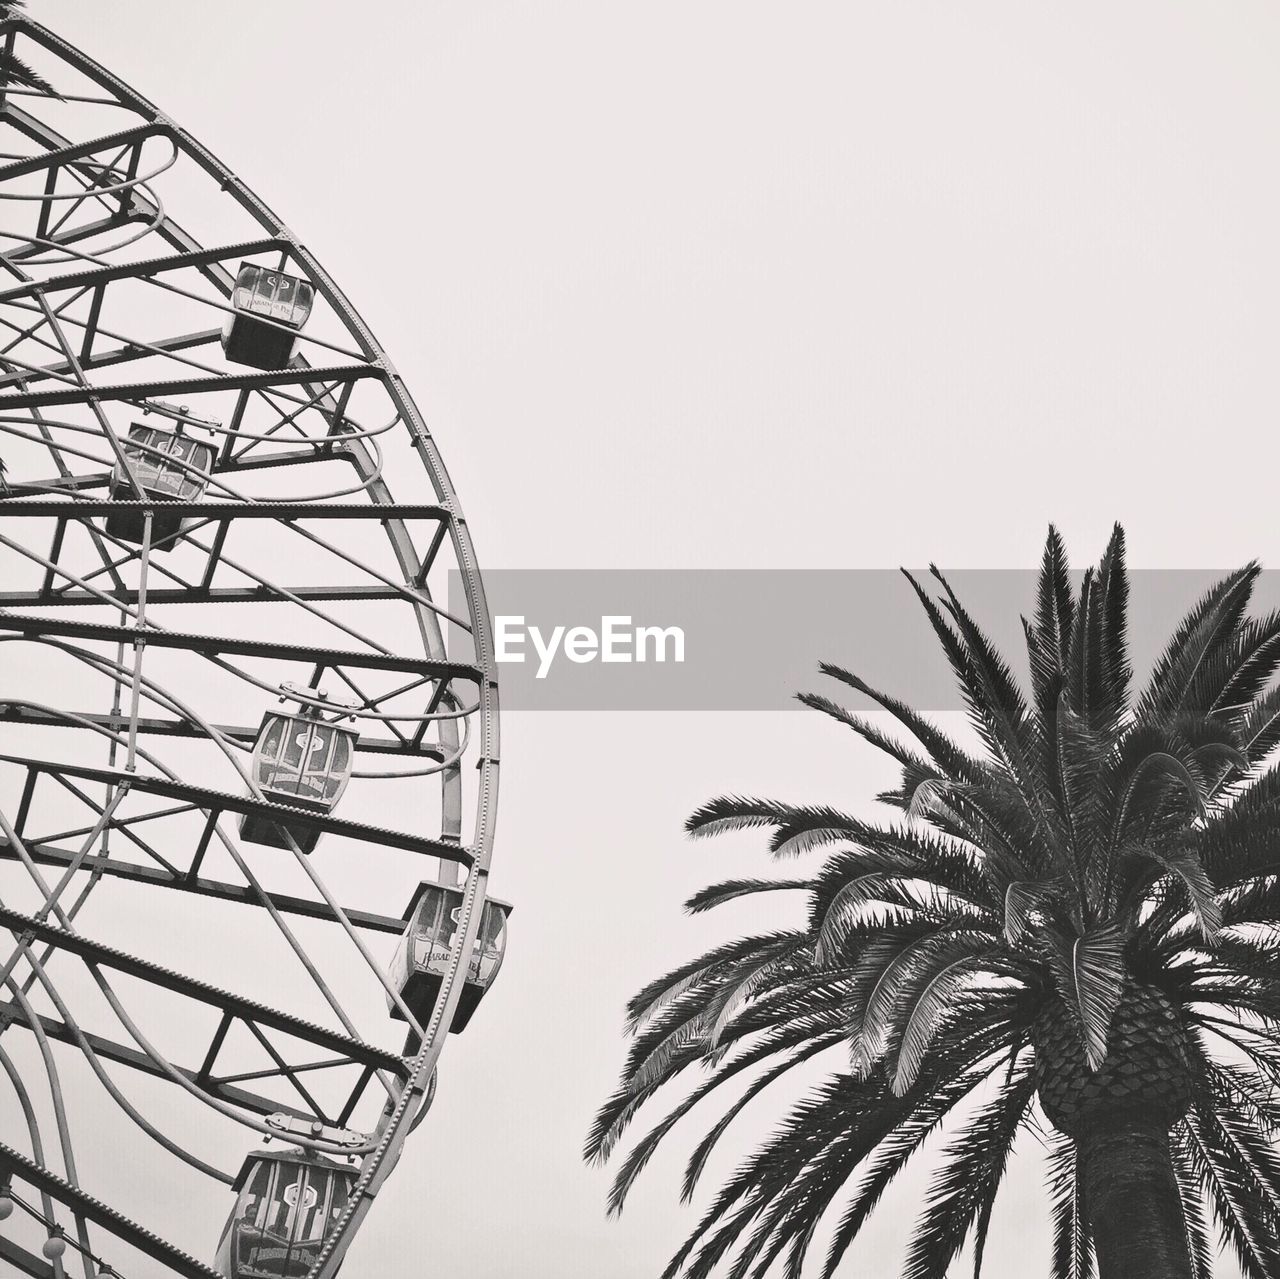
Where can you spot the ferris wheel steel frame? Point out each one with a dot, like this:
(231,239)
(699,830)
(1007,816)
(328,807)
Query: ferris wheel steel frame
(461,693)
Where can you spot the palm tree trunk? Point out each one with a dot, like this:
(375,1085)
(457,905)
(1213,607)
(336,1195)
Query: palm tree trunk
(1132,1200)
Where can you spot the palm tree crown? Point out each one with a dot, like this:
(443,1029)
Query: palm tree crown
(1076,924)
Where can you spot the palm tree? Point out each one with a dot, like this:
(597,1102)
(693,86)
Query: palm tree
(1073,929)
(14,72)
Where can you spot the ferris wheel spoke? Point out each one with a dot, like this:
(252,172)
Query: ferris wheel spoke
(194,256)
(176,388)
(90,190)
(73,235)
(52,895)
(24,1170)
(26,1017)
(130,351)
(13,1252)
(36,628)
(274,650)
(336,914)
(242,1009)
(398,744)
(124,138)
(131,556)
(322,400)
(32,329)
(320,451)
(284,1070)
(91,177)
(212,801)
(121,823)
(148,273)
(89,509)
(98,957)
(64,1141)
(203,595)
(99,811)
(97,1050)
(187,881)
(121,457)
(147,209)
(134,348)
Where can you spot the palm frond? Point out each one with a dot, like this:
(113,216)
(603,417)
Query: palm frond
(659,993)
(810,1042)
(1049,639)
(995,706)
(1209,627)
(1072,1245)
(1097,663)
(914,765)
(900,981)
(15,73)
(1242,1197)
(1024,900)
(1184,863)
(730,813)
(933,1006)
(732,889)
(949,757)
(698,1159)
(1200,1247)
(969,1173)
(927,1107)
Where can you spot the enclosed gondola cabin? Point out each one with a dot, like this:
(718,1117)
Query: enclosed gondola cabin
(301,760)
(422,958)
(287,1201)
(169,466)
(269,310)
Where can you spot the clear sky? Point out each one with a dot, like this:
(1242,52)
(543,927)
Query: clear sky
(722,283)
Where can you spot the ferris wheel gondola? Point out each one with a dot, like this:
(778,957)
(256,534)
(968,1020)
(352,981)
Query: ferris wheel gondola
(286,1202)
(269,310)
(300,761)
(422,959)
(166,466)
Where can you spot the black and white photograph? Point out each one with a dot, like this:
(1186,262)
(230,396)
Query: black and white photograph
(639,641)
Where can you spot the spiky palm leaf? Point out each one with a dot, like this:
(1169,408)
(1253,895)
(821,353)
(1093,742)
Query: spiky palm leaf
(1089,909)
(14,71)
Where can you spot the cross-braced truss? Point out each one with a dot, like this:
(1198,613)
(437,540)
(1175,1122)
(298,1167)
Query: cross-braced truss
(142,642)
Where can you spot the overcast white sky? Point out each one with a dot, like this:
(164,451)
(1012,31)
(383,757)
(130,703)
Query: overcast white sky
(736,284)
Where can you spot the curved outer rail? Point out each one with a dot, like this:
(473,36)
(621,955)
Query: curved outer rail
(400,1112)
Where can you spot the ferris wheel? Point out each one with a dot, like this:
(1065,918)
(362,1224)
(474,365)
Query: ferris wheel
(248,735)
